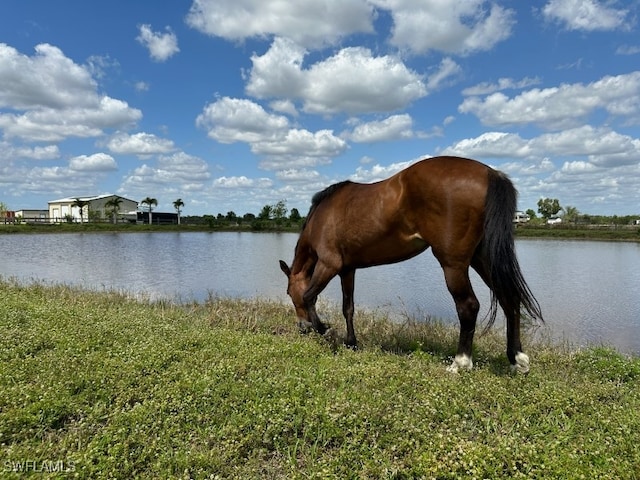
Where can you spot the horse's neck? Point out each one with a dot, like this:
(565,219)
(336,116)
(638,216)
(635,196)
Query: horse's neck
(303,261)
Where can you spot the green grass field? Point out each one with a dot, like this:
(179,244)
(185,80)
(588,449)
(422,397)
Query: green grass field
(98,385)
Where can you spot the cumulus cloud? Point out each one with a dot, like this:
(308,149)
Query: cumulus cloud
(140,144)
(391,128)
(600,147)
(352,81)
(270,136)
(312,23)
(176,175)
(98,162)
(586,15)
(53,98)
(559,107)
(161,46)
(242,182)
(9,152)
(229,120)
(452,27)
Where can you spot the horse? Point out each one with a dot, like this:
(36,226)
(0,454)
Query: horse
(459,207)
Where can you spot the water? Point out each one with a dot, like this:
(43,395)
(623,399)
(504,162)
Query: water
(587,290)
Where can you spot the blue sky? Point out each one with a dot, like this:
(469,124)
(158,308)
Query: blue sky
(236,104)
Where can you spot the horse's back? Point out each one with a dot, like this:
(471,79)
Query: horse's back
(436,202)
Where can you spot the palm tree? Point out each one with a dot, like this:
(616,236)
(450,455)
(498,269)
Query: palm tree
(80,204)
(151,202)
(114,205)
(178,204)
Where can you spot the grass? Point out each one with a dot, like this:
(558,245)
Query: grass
(98,385)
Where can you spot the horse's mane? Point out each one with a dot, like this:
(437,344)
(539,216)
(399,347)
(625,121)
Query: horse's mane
(322,195)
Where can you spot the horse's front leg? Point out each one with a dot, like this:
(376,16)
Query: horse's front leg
(348,283)
(319,280)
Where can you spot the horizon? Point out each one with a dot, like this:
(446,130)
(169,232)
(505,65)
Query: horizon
(233,105)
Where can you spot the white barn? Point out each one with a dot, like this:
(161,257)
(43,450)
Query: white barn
(62,210)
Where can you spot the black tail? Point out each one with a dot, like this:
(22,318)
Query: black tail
(508,287)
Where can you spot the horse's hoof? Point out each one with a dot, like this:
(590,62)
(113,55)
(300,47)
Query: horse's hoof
(305,327)
(522,364)
(460,361)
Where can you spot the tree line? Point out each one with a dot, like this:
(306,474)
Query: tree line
(550,207)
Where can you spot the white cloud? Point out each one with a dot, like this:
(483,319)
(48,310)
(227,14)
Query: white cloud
(230,120)
(587,15)
(504,83)
(98,162)
(270,136)
(53,98)
(295,175)
(628,50)
(352,81)
(560,107)
(460,27)
(47,80)
(173,175)
(391,128)
(312,23)
(161,46)
(10,152)
(599,146)
(139,144)
(141,86)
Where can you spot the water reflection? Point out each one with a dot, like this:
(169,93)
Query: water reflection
(586,289)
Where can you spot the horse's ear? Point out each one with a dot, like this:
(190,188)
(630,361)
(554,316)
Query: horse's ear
(285,268)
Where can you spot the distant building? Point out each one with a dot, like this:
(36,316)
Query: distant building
(62,210)
(32,216)
(521,217)
(158,218)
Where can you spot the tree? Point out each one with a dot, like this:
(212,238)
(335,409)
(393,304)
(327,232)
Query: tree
(548,207)
(114,206)
(571,214)
(279,211)
(531,213)
(295,215)
(81,204)
(150,202)
(3,212)
(266,212)
(178,204)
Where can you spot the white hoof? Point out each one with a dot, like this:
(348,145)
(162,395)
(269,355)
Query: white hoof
(460,361)
(522,363)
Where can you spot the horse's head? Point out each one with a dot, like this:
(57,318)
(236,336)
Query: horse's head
(298,284)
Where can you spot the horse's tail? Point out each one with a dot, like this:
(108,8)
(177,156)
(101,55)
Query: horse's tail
(508,287)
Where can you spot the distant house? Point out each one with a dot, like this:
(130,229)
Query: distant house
(32,216)
(521,217)
(62,210)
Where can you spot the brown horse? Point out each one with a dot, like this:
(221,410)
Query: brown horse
(460,208)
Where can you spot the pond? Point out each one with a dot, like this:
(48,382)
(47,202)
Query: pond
(587,290)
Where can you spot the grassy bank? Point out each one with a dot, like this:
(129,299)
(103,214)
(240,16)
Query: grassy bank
(568,232)
(108,387)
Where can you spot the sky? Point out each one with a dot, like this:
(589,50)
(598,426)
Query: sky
(231,105)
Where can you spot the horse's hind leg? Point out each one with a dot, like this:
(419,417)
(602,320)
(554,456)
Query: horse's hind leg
(518,359)
(467,307)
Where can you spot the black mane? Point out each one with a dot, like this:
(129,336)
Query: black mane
(323,195)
